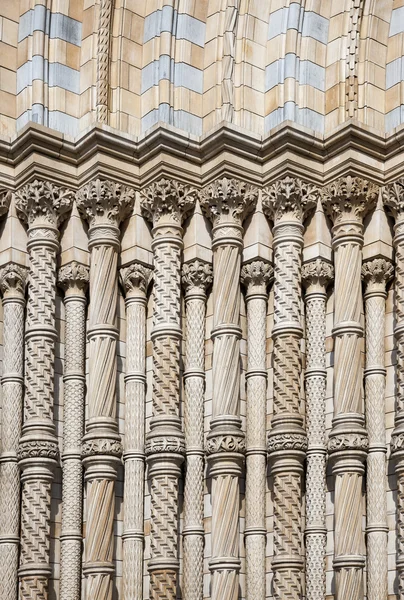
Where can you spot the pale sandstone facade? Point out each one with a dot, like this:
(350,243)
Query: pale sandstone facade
(202,275)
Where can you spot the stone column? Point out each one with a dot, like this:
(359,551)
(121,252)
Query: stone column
(196,277)
(105,204)
(135,280)
(376,273)
(73,279)
(12,285)
(316,275)
(346,201)
(286,202)
(256,276)
(226,202)
(42,204)
(165,202)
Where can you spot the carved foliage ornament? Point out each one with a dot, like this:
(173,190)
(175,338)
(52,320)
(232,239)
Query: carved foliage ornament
(228,197)
(317,271)
(74,275)
(287,441)
(38,449)
(42,202)
(393,197)
(136,276)
(160,444)
(13,277)
(5,199)
(167,197)
(378,270)
(348,441)
(289,198)
(257,273)
(225,443)
(101,446)
(105,202)
(197,274)
(349,197)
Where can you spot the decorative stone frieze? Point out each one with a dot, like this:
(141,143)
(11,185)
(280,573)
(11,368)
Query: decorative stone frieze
(165,203)
(226,202)
(73,278)
(286,203)
(105,204)
(135,280)
(347,201)
(196,278)
(12,284)
(43,205)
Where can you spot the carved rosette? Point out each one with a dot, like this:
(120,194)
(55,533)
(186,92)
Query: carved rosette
(196,278)
(42,205)
(255,277)
(135,280)
(316,275)
(226,202)
(346,201)
(287,202)
(165,203)
(105,204)
(12,284)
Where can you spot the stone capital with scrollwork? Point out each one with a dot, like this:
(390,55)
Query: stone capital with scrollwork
(135,279)
(289,199)
(317,274)
(43,205)
(105,202)
(167,199)
(197,276)
(227,201)
(347,200)
(256,276)
(74,277)
(376,273)
(13,279)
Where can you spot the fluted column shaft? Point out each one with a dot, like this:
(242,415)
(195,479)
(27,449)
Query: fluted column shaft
(316,275)
(255,276)
(73,278)
(135,279)
(196,277)
(375,274)
(12,284)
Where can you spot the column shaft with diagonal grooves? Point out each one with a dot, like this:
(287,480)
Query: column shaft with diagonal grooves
(316,274)
(73,278)
(12,284)
(135,279)
(196,277)
(255,276)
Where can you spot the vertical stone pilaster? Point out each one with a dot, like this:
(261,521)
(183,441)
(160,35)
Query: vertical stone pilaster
(73,279)
(256,276)
(135,280)
(316,275)
(346,201)
(226,201)
(165,203)
(12,284)
(196,278)
(105,204)
(42,204)
(286,202)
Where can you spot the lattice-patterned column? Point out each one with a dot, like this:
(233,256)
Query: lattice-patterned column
(316,274)
(135,280)
(196,277)
(226,201)
(286,202)
(346,202)
(73,278)
(12,285)
(105,204)
(165,202)
(43,205)
(256,276)
(376,273)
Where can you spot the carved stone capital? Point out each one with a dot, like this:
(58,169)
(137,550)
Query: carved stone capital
(377,272)
(228,200)
(101,446)
(393,197)
(38,449)
(13,279)
(74,276)
(349,199)
(397,443)
(135,278)
(221,443)
(348,442)
(197,275)
(165,444)
(289,199)
(105,202)
(286,441)
(5,199)
(41,203)
(256,276)
(317,272)
(167,197)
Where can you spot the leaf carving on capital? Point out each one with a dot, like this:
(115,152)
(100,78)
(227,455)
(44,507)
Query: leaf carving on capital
(13,277)
(289,198)
(43,203)
(256,274)
(317,272)
(393,198)
(378,270)
(136,276)
(5,199)
(227,199)
(167,197)
(349,197)
(197,274)
(74,275)
(105,202)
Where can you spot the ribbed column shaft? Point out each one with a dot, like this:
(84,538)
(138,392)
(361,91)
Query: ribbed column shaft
(73,278)
(196,277)
(103,53)
(12,284)
(316,275)
(135,279)
(255,277)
